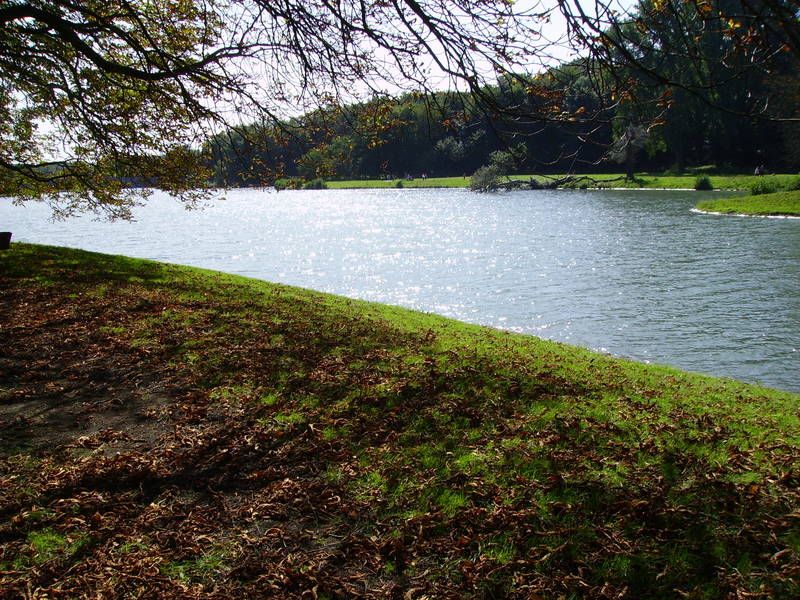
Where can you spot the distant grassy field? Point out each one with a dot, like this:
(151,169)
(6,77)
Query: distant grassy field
(779,203)
(643,180)
(430,182)
(170,432)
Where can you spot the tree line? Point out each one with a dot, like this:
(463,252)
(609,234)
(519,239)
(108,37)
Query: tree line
(680,107)
(97,96)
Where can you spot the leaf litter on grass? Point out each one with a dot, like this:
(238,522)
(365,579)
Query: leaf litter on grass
(173,434)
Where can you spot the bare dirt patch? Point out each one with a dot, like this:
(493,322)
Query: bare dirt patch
(63,378)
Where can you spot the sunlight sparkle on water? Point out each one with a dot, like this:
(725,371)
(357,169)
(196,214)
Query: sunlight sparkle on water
(635,274)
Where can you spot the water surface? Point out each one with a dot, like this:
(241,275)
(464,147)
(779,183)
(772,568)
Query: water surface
(636,274)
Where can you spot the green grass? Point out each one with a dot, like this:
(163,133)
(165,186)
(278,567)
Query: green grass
(778,203)
(418,182)
(204,567)
(311,440)
(610,180)
(47,545)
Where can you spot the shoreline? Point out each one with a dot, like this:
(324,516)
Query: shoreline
(781,204)
(732,214)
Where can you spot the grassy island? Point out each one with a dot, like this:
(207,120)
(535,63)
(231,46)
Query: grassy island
(778,203)
(169,432)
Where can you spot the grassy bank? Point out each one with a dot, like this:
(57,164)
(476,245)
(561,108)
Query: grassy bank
(418,182)
(174,433)
(779,203)
(614,180)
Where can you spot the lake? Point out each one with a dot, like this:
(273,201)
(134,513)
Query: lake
(631,273)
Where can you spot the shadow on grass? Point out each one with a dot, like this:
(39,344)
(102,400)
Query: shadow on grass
(301,449)
(54,265)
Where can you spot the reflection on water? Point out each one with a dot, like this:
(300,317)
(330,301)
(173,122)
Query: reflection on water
(636,274)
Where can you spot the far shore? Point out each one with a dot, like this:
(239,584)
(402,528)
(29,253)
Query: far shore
(644,181)
(784,203)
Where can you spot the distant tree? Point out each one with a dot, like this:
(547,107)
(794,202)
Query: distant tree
(787,94)
(509,160)
(627,146)
(336,157)
(451,149)
(94,95)
(485,178)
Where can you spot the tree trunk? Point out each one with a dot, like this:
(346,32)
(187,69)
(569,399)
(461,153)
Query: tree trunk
(630,163)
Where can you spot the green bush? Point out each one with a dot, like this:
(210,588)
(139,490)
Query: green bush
(764,186)
(399,183)
(485,178)
(793,184)
(703,183)
(315,184)
(291,183)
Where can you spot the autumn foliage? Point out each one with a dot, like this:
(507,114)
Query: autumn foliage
(170,433)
